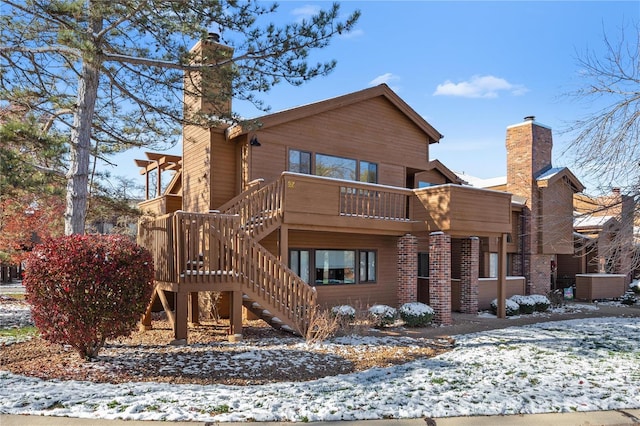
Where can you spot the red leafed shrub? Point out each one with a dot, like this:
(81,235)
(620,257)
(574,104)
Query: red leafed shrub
(84,289)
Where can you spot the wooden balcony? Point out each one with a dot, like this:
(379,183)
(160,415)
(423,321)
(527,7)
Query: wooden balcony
(320,202)
(462,210)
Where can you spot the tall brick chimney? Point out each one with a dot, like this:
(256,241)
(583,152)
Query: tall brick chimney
(209,91)
(529,147)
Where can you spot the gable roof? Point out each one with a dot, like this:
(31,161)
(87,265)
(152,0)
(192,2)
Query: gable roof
(554,174)
(444,171)
(335,103)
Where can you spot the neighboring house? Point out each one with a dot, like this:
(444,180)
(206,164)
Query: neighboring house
(336,202)
(542,205)
(604,236)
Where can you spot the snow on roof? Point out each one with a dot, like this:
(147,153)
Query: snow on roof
(550,173)
(590,221)
(480,182)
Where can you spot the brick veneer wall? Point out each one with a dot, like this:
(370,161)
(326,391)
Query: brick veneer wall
(407,269)
(440,276)
(469,273)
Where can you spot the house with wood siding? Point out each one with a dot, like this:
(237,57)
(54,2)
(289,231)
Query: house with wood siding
(335,202)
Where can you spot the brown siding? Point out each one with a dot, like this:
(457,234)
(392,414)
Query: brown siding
(225,176)
(431,176)
(557,218)
(196,150)
(372,131)
(462,210)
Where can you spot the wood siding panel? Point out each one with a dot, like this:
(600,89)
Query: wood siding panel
(372,131)
(225,175)
(557,218)
(196,169)
(461,210)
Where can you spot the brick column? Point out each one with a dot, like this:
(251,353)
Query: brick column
(440,276)
(407,269)
(469,272)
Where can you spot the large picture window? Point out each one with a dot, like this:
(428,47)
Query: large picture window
(335,266)
(330,267)
(335,167)
(332,166)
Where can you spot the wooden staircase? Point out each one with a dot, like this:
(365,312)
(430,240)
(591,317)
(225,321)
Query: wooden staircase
(260,213)
(220,252)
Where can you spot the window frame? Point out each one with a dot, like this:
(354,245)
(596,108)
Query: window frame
(300,153)
(356,269)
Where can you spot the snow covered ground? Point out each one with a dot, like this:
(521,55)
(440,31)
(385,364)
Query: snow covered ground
(564,366)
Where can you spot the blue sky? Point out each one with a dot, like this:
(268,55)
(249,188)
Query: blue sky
(469,68)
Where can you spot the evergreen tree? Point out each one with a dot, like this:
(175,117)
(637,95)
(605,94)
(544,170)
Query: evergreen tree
(111,73)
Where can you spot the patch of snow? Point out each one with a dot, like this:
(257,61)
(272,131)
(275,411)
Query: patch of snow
(563,366)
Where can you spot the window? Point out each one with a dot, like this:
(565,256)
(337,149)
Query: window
(335,266)
(423,264)
(299,161)
(367,266)
(299,263)
(423,184)
(335,167)
(493,265)
(332,166)
(368,172)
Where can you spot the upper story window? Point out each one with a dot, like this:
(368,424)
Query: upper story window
(335,167)
(299,161)
(368,172)
(332,166)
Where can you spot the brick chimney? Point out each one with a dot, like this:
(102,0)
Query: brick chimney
(209,91)
(529,147)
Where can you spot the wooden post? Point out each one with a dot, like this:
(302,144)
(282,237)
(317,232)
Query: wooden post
(235,319)
(284,244)
(194,309)
(145,323)
(502,276)
(182,300)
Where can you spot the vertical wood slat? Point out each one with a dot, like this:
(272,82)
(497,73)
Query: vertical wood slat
(362,200)
(156,234)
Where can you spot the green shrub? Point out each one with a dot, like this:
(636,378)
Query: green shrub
(382,315)
(527,303)
(84,289)
(511,308)
(635,286)
(629,298)
(542,302)
(416,314)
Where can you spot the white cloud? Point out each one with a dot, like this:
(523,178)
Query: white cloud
(480,86)
(352,34)
(384,78)
(305,12)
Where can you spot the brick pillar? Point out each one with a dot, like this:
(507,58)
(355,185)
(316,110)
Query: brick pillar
(440,276)
(407,269)
(469,272)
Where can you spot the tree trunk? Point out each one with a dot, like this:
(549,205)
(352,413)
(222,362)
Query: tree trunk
(78,174)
